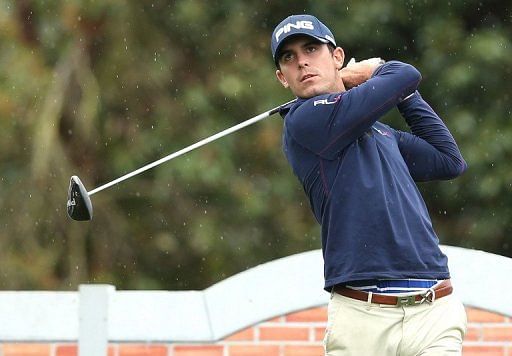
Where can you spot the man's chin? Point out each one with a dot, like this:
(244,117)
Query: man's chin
(310,92)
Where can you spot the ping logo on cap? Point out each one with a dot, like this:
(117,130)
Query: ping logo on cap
(307,25)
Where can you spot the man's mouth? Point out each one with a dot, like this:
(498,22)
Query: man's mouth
(307,76)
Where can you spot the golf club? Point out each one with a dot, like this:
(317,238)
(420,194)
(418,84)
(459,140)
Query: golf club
(79,206)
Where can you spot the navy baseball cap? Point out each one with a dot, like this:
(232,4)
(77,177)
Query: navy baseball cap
(299,25)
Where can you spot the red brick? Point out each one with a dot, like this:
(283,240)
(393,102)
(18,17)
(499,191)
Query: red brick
(67,350)
(253,350)
(319,334)
(483,316)
(26,350)
(303,350)
(72,350)
(243,335)
(309,315)
(282,333)
(142,350)
(483,351)
(497,333)
(473,334)
(198,350)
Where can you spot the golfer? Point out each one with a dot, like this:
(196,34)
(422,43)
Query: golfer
(389,281)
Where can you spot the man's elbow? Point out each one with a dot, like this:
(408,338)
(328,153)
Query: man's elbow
(412,72)
(456,169)
(463,167)
(413,79)
(409,77)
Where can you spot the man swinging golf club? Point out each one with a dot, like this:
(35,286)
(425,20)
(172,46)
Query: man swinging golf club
(389,281)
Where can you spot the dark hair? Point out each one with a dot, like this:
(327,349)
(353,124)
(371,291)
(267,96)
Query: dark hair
(330,46)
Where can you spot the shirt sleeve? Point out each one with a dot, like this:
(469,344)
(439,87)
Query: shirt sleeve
(430,151)
(326,124)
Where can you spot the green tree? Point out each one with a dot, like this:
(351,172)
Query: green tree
(98,89)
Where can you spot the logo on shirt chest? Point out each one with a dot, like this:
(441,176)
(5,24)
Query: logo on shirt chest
(326,101)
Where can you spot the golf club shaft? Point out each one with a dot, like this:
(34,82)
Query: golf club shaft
(191,147)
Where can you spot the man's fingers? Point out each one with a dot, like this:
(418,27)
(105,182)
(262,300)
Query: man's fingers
(375,61)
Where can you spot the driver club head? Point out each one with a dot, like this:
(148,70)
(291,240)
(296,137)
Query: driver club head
(79,204)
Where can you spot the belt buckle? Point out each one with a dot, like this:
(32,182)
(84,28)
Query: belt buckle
(429,296)
(406,300)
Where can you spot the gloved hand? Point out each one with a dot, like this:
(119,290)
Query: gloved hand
(355,73)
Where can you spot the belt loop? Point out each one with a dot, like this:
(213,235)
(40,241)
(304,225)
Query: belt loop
(370,295)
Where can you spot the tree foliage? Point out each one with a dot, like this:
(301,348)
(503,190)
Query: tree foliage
(99,88)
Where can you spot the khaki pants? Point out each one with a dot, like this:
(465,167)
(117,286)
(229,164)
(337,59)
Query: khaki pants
(363,329)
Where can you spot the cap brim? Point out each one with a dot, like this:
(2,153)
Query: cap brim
(79,206)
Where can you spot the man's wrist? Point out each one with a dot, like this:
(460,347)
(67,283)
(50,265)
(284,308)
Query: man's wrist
(408,100)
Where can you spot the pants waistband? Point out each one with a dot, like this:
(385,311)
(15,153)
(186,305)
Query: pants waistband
(439,291)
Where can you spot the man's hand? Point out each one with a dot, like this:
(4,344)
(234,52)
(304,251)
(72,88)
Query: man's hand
(356,73)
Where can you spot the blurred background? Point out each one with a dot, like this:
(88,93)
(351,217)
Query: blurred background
(100,88)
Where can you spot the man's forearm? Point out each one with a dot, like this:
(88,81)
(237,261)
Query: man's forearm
(427,125)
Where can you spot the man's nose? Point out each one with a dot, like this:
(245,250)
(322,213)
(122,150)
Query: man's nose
(302,61)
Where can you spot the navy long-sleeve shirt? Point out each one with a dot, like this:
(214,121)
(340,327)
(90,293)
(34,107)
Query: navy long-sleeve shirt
(359,175)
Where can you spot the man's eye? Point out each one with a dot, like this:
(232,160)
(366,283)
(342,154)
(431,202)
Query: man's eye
(286,57)
(311,48)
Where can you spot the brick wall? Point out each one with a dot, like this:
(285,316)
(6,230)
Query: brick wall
(297,334)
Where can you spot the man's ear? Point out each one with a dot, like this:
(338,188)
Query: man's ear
(281,78)
(339,57)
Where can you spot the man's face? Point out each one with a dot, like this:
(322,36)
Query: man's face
(308,67)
